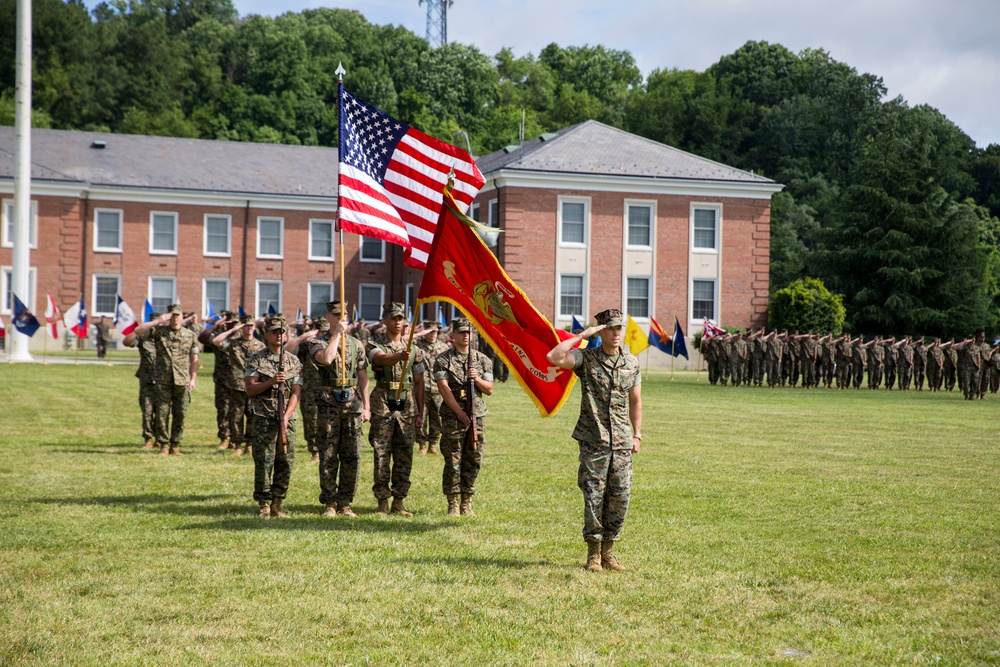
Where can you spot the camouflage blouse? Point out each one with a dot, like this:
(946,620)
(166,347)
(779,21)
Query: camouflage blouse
(264,366)
(451,365)
(174,349)
(385,377)
(328,375)
(238,351)
(431,353)
(604,406)
(146,345)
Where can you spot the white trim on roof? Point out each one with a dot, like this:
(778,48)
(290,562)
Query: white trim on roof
(633,184)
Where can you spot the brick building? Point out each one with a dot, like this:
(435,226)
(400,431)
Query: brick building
(594,218)
(599,218)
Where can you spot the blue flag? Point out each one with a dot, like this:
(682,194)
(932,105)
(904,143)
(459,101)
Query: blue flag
(595,341)
(680,347)
(23,320)
(212,315)
(147,311)
(444,322)
(241,311)
(270,309)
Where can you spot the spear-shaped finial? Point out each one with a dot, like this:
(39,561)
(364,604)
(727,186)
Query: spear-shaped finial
(340,71)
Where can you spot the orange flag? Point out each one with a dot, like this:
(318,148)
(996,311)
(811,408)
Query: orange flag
(462,271)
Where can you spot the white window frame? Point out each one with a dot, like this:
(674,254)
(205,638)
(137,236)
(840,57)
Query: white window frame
(149,289)
(204,295)
(361,245)
(121,229)
(94,312)
(333,236)
(586,221)
(700,206)
(5,286)
(474,209)
(649,298)
(638,203)
(493,219)
(583,296)
(229,236)
(309,295)
(171,214)
(715,297)
(411,297)
(281,297)
(8,224)
(281,237)
(381,299)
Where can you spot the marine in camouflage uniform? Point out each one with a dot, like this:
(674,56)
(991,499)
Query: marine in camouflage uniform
(875,354)
(826,361)
(737,351)
(995,370)
(147,380)
(310,383)
(462,459)
(432,347)
(221,377)
(238,345)
(985,352)
(919,364)
(950,365)
(709,350)
(394,427)
(608,432)
(889,363)
(935,366)
(342,407)
(773,347)
(842,361)
(858,362)
(904,363)
(176,371)
(272,463)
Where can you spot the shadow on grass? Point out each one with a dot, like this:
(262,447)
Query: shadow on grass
(311,521)
(158,503)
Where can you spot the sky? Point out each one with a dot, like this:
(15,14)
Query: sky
(943,53)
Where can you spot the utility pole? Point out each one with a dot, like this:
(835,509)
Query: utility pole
(20,283)
(437,21)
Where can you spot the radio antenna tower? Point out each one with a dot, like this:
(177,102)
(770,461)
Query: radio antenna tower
(437,21)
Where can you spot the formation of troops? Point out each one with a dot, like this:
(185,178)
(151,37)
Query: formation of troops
(338,377)
(756,358)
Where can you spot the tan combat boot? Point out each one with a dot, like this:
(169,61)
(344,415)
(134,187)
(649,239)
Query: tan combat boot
(314,458)
(423,449)
(594,557)
(175,450)
(608,560)
(453,504)
(383,506)
(223,444)
(238,451)
(466,508)
(265,510)
(397,508)
(345,510)
(276,509)
(148,444)
(164,449)
(432,448)
(331,510)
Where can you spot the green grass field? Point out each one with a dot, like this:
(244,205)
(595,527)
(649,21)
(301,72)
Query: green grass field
(766,527)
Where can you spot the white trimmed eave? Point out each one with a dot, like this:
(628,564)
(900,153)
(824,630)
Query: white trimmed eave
(114,193)
(646,185)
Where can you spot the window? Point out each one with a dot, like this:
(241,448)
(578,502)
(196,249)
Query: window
(703,300)
(706,228)
(494,213)
(8,224)
(321,239)
(570,295)
(107,230)
(370,299)
(106,290)
(411,298)
(319,294)
(163,233)
(6,283)
(162,293)
(573,222)
(640,219)
(215,290)
(372,250)
(268,297)
(637,297)
(217,236)
(270,233)
(474,212)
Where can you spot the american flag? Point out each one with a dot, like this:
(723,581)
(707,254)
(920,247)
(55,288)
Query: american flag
(392,178)
(712,330)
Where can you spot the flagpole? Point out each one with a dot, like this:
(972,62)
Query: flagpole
(45,348)
(647,363)
(340,229)
(672,357)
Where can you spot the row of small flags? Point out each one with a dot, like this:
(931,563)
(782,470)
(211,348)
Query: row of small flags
(638,341)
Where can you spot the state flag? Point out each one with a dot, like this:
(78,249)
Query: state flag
(23,320)
(635,337)
(53,318)
(75,319)
(124,317)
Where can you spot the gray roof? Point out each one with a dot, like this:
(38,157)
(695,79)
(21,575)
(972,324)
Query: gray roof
(594,148)
(175,164)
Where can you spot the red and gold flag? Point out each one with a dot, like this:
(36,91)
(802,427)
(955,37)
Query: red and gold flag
(462,271)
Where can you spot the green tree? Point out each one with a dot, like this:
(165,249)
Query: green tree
(807,305)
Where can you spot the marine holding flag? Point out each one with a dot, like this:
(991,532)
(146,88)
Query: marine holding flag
(608,431)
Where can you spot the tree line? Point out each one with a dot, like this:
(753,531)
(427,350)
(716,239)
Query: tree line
(890,205)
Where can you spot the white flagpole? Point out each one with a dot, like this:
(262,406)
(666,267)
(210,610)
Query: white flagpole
(22,177)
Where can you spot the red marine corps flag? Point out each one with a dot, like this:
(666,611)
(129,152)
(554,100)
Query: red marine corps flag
(462,271)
